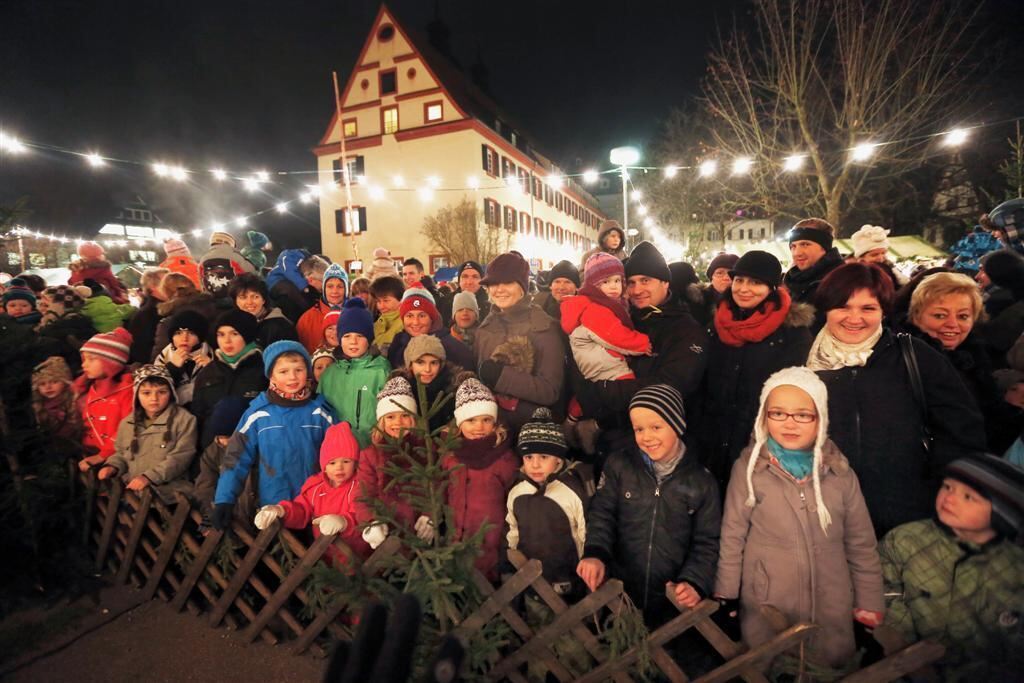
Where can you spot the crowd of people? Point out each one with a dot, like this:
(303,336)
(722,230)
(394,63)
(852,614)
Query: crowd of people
(831,441)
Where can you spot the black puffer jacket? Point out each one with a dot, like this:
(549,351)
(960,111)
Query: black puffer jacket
(218,380)
(679,358)
(648,534)
(69,331)
(803,284)
(733,384)
(876,423)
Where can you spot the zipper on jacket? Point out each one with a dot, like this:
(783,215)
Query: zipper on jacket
(359,407)
(650,541)
(856,412)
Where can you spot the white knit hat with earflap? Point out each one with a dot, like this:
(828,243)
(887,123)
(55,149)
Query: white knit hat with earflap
(806,380)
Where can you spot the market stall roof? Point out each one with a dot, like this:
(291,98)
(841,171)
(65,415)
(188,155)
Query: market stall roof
(901,248)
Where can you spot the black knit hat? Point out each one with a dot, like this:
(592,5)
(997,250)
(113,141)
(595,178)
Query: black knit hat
(564,269)
(645,259)
(723,260)
(243,323)
(1005,268)
(469,264)
(759,265)
(189,320)
(999,482)
(666,401)
(541,435)
(683,274)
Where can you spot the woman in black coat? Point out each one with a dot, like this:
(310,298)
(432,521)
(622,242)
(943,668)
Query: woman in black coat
(874,416)
(757,330)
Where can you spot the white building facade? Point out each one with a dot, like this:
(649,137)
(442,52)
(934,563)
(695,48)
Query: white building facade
(420,136)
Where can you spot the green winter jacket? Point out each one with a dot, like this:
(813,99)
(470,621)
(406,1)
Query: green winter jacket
(969,598)
(351,387)
(105,314)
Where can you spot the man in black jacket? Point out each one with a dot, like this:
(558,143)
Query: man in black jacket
(467,277)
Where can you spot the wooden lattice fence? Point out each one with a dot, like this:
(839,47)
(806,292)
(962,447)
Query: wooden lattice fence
(236,579)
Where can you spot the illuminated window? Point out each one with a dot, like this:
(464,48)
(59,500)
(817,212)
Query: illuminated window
(390,118)
(433,111)
(350,129)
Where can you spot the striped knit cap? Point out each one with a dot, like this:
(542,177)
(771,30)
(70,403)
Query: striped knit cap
(152,373)
(541,435)
(473,399)
(666,401)
(113,346)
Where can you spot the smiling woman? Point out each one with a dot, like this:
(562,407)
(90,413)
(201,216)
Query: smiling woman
(874,417)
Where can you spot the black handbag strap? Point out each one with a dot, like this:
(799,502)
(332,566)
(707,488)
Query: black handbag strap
(906,343)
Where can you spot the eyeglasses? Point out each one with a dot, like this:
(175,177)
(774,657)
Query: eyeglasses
(782,416)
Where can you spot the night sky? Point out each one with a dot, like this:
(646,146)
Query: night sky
(246,86)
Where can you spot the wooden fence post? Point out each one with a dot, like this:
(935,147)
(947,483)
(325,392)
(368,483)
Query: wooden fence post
(109,523)
(132,543)
(241,575)
(167,545)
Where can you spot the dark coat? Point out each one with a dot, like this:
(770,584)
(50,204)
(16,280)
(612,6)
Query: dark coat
(218,380)
(292,301)
(142,327)
(648,534)
(678,360)
(733,384)
(69,332)
(447,382)
(549,305)
(275,327)
(803,284)
(876,423)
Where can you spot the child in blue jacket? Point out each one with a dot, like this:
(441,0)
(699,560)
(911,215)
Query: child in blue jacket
(282,430)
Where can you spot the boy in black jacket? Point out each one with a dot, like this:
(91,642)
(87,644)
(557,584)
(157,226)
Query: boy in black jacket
(655,519)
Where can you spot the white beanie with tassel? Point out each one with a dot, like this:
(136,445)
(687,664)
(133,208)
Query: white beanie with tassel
(806,380)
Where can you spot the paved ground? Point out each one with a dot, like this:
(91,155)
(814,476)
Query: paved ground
(154,643)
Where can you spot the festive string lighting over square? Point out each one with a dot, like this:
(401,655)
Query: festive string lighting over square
(863,151)
(955,137)
(590,176)
(742,165)
(671,172)
(95,160)
(794,162)
(707,168)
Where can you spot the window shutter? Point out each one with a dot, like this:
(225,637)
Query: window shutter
(336,165)
(486,156)
(339,221)
(360,167)
(362,211)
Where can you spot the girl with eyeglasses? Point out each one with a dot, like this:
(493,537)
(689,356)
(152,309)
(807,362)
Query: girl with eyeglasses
(796,533)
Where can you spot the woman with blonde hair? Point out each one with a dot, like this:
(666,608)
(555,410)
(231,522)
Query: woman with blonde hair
(944,308)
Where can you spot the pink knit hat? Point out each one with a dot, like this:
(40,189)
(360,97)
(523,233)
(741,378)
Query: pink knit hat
(112,346)
(339,442)
(600,267)
(91,251)
(175,247)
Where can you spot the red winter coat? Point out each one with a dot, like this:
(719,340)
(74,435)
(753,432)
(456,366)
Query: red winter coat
(100,272)
(310,327)
(104,405)
(370,481)
(599,339)
(482,472)
(185,265)
(317,498)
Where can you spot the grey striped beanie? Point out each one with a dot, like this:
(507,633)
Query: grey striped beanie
(666,401)
(541,435)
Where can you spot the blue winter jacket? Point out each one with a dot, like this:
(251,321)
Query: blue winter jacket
(287,268)
(286,443)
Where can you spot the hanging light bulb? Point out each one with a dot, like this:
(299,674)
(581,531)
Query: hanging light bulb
(794,162)
(219,174)
(671,171)
(376,192)
(241,221)
(95,160)
(473,183)
(955,137)
(281,207)
(398,181)
(434,182)
(707,168)
(177,173)
(161,170)
(250,184)
(590,176)
(863,151)
(636,195)
(262,176)
(742,165)
(425,194)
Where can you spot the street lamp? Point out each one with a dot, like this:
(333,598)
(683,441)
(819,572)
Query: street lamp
(624,157)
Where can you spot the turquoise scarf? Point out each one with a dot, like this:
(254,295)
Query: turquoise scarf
(798,463)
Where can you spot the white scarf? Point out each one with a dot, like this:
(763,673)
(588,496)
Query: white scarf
(828,353)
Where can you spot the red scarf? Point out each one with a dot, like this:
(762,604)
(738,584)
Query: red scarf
(617,306)
(757,327)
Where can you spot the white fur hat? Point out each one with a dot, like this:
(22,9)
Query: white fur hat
(806,380)
(869,237)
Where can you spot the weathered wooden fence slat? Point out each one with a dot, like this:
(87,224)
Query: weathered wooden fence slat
(137,537)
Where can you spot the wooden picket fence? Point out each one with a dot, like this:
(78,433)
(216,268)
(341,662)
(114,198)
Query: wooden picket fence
(140,539)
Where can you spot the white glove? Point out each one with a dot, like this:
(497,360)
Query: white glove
(375,534)
(266,516)
(331,524)
(424,529)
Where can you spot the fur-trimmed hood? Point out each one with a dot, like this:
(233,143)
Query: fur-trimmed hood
(800,315)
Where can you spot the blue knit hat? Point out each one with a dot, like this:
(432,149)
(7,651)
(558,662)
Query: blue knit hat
(272,352)
(336,271)
(355,319)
